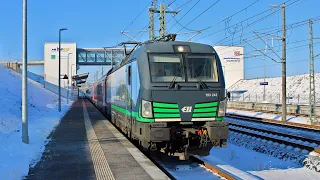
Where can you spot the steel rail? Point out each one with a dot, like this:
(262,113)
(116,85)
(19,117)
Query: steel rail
(214,168)
(299,126)
(297,137)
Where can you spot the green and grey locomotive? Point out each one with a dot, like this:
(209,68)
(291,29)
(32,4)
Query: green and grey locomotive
(168,96)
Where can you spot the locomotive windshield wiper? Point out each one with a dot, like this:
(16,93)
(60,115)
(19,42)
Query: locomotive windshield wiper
(202,84)
(173,82)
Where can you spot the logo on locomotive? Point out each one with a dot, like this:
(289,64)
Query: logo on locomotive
(186,109)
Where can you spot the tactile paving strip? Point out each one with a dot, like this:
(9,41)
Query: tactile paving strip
(100,164)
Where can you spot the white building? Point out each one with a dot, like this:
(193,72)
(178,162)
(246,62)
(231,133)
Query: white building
(232,61)
(51,65)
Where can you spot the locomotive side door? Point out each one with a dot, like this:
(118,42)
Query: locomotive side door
(129,99)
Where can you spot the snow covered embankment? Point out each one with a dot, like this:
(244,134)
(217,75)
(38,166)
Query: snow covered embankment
(16,156)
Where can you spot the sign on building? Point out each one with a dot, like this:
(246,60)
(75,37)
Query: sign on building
(232,61)
(263,83)
(68,56)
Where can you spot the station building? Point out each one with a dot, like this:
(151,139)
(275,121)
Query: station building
(71,59)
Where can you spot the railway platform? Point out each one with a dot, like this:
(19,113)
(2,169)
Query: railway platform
(87,146)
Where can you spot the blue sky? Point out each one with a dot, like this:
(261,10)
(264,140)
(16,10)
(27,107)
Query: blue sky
(97,23)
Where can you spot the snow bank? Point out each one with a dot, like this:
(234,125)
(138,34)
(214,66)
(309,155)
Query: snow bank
(297,87)
(245,162)
(16,156)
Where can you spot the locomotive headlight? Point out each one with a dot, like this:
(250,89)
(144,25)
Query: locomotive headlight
(146,110)
(222,108)
(180,48)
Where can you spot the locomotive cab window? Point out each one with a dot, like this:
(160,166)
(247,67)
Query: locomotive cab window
(164,67)
(202,67)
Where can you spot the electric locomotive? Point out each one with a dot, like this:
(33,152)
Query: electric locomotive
(169,97)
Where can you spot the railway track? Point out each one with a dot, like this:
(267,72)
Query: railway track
(194,167)
(297,126)
(250,126)
(306,153)
(278,137)
(217,173)
(215,169)
(296,139)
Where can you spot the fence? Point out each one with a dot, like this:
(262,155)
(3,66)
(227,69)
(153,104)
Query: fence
(271,107)
(50,83)
(272,98)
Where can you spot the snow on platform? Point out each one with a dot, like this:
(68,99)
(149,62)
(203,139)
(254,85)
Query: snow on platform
(249,164)
(270,116)
(16,156)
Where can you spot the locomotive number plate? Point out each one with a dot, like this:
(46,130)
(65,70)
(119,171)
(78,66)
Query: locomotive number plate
(211,94)
(158,125)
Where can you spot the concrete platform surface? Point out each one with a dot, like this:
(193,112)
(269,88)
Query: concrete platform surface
(87,146)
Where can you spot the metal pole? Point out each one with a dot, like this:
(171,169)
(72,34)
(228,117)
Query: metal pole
(72,81)
(312,97)
(68,80)
(284,85)
(162,20)
(59,70)
(151,24)
(60,67)
(264,80)
(102,71)
(264,73)
(25,136)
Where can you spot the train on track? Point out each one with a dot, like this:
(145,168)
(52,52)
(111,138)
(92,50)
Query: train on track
(167,96)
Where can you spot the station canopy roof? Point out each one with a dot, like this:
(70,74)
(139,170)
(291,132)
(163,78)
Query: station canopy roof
(80,78)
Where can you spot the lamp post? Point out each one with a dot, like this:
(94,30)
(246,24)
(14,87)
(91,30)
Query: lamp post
(68,79)
(62,29)
(25,136)
(71,77)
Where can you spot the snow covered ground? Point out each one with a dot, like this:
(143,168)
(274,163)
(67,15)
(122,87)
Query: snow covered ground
(276,117)
(249,164)
(15,156)
(297,88)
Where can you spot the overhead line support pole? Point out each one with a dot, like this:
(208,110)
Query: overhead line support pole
(163,27)
(163,22)
(312,94)
(284,68)
(283,61)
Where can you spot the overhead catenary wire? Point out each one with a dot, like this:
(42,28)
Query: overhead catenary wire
(289,26)
(137,16)
(185,14)
(201,13)
(273,64)
(256,15)
(179,9)
(229,16)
